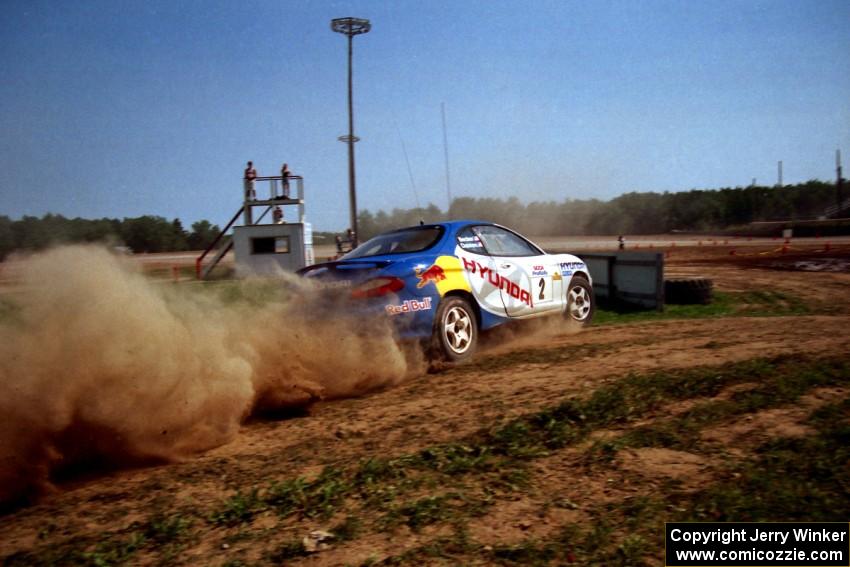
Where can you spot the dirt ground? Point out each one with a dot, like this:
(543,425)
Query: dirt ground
(530,370)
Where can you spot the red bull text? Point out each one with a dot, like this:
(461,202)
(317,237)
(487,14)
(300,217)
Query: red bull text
(409,306)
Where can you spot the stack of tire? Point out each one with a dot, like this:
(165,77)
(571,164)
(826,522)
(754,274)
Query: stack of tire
(688,291)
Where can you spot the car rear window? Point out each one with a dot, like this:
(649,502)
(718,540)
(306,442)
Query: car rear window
(398,242)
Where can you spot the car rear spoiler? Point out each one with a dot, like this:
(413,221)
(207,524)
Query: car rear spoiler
(345,265)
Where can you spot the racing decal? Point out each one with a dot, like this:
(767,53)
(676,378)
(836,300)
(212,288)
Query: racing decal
(567,268)
(542,289)
(471,243)
(498,281)
(539,271)
(556,277)
(433,274)
(409,306)
(445,273)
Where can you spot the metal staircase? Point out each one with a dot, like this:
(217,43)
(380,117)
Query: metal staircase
(223,243)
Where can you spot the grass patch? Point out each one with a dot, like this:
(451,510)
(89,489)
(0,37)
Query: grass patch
(779,384)
(163,529)
(792,479)
(724,304)
(239,508)
(317,498)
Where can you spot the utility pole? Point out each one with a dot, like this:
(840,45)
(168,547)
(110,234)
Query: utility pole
(351,27)
(779,167)
(839,180)
(446,155)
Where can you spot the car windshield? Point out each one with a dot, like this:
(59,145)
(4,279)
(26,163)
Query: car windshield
(398,242)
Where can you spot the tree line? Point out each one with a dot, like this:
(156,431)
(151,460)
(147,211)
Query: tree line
(631,213)
(141,234)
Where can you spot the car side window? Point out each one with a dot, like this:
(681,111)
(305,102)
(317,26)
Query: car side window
(469,241)
(501,242)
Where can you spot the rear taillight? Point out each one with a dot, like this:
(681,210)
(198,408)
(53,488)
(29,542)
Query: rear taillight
(377,287)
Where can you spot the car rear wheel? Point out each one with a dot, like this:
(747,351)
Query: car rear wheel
(580,301)
(455,330)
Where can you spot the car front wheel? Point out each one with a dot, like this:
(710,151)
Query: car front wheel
(580,304)
(455,330)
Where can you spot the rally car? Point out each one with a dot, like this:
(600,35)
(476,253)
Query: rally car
(445,282)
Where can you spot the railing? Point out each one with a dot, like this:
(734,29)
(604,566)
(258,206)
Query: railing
(273,184)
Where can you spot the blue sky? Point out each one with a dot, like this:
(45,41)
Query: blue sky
(115,108)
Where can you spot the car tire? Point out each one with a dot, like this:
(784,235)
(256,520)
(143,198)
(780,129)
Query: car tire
(689,292)
(580,301)
(455,334)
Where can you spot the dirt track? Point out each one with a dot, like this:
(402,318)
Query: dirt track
(539,368)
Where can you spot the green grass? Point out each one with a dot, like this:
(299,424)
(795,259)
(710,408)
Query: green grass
(241,507)
(791,479)
(775,386)
(724,304)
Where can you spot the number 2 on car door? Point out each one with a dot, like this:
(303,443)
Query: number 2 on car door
(542,289)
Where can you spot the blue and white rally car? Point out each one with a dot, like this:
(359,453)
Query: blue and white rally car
(447,281)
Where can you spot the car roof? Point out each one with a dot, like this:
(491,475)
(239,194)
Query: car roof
(450,225)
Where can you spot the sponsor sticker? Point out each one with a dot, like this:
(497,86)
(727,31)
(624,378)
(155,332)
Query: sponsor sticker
(433,275)
(567,268)
(470,243)
(499,281)
(409,306)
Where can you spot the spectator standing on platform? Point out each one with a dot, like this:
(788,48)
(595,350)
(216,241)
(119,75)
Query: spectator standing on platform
(277,215)
(284,180)
(250,176)
(351,239)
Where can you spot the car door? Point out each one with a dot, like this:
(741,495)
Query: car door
(480,271)
(529,280)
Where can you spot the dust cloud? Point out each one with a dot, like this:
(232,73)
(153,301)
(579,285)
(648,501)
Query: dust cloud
(99,364)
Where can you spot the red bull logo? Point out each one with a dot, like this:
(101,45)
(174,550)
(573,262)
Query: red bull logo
(433,274)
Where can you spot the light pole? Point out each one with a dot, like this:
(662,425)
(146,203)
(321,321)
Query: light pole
(351,27)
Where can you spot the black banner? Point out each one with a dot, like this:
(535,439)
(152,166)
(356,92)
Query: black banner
(805,544)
